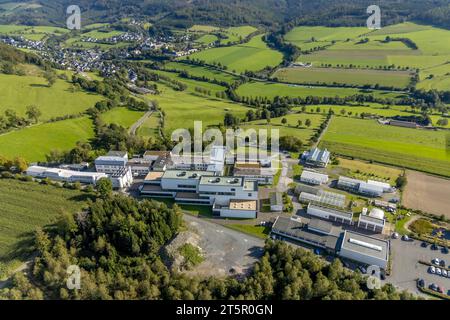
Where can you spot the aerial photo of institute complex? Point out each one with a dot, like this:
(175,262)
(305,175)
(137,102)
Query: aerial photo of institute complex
(224,150)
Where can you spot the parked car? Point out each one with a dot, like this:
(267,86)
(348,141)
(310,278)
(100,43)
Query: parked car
(421,283)
(406,238)
(318,252)
(362,269)
(433,287)
(432,269)
(444,250)
(436,261)
(424,245)
(395,235)
(444,273)
(440,290)
(442,263)
(434,247)
(438,271)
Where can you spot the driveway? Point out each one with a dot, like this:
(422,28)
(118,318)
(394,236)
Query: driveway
(224,248)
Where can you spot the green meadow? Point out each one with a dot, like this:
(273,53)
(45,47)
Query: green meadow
(27,206)
(200,71)
(35,142)
(182,108)
(396,79)
(18,92)
(252,56)
(271,90)
(192,84)
(291,128)
(150,127)
(417,149)
(122,116)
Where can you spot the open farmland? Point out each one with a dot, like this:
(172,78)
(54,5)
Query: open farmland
(300,36)
(234,34)
(122,116)
(33,143)
(356,110)
(252,56)
(35,33)
(291,128)
(27,206)
(427,193)
(358,77)
(410,148)
(182,108)
(271,90)
(198,71)
(192,84)
(18,92)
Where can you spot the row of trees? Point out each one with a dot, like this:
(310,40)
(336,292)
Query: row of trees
(10,119)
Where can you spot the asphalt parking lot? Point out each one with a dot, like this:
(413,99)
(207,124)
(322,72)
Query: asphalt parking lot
(406,267)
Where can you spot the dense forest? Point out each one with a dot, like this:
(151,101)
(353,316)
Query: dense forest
(182,13)
(117,242)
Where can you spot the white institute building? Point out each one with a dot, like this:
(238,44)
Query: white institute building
(114,164)
(370,188)
(233,197)
(64,175)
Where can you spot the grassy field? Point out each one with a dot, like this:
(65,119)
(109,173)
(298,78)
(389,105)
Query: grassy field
(198,71)
(365,170)
(122,116)
(31,32)
(355,111)
(27,206)
(237,33)
(410,148)
(150,127)
(207,39)
(253,230)
(182,108)
(271,90)
(290,128)
(347,49)
(192,84)
(203,28)
(18,92)
(253,56)
(33,143)
(396,79)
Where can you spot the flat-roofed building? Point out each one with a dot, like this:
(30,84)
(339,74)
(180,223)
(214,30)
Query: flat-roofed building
(139,166)
(253,171)
(112,162)
(385,186)
(404,124)
(122,178)
(64,175)
(316,157)
(246,209)
(317,235)
(181,180)
(314,178)
(365,249)
(374,221)
(341,216)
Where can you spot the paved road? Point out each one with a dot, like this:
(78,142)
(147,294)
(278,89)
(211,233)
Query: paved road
(139,123)
(224,248)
